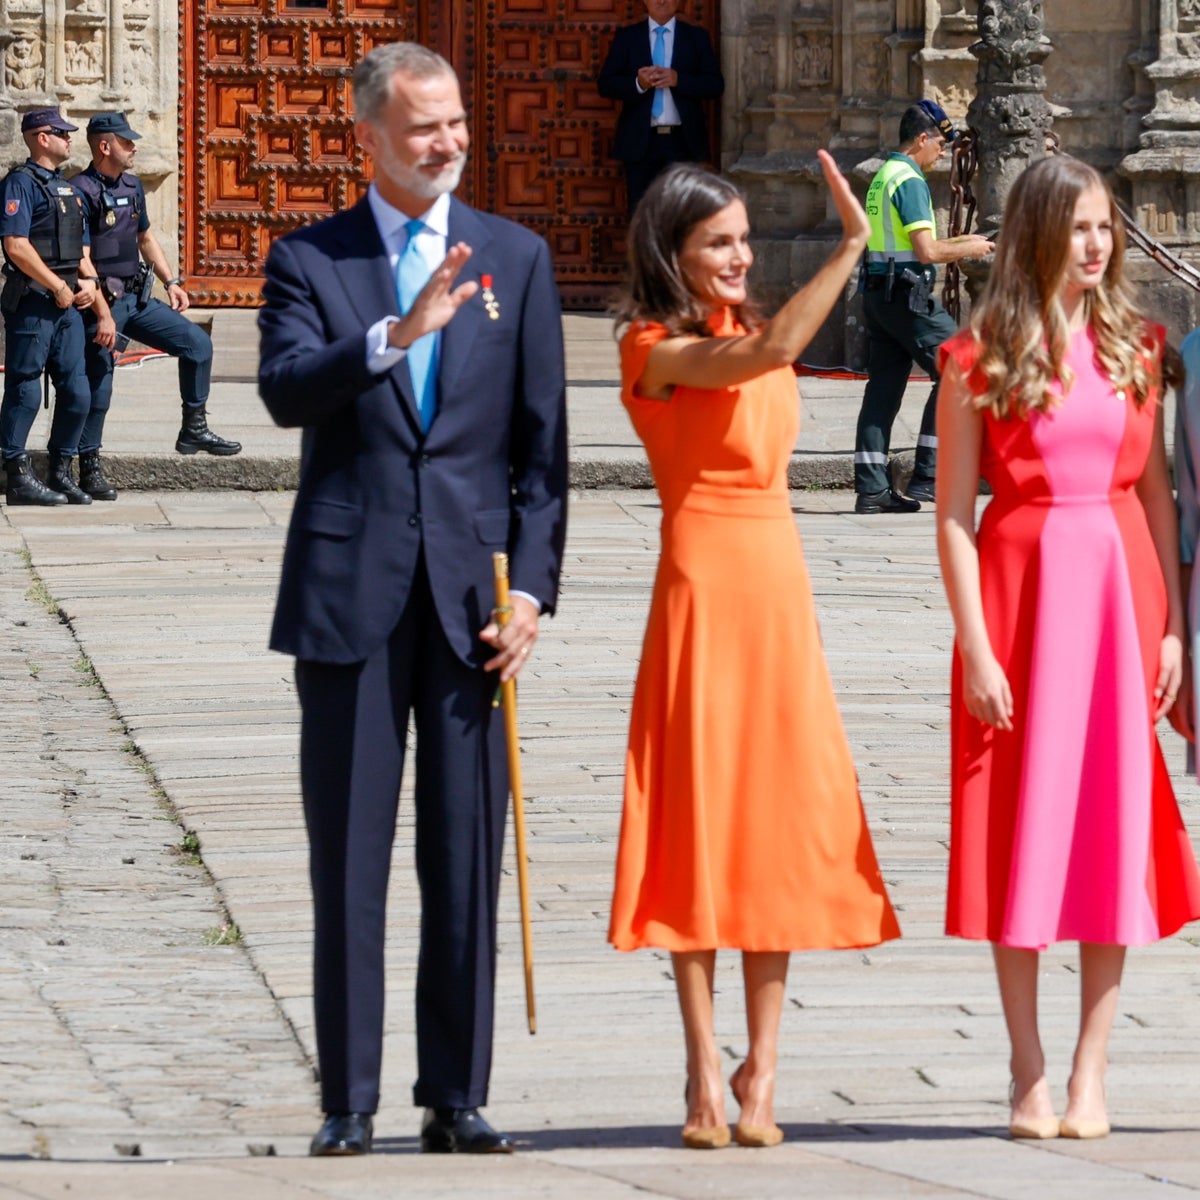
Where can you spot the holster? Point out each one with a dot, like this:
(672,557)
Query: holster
(15,287)
(145,286)
(920,289)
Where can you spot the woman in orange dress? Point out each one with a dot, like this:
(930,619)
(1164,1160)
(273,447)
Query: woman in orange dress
(742,824)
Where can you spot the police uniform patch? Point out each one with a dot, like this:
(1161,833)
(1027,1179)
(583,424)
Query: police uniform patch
(12,208)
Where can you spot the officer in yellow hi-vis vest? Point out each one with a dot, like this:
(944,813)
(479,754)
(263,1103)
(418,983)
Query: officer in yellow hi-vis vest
(905,324)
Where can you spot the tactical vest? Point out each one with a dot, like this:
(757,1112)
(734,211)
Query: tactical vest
(56,229)
(888,239)
(114,226)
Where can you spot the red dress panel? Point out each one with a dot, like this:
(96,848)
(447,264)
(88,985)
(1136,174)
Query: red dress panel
(1066,827)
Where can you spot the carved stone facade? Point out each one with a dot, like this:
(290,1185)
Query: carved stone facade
(91,56)
(1118,83)
(1121,89)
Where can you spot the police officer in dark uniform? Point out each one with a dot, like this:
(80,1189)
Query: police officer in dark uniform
(49,280)
(128,257)
(904,321)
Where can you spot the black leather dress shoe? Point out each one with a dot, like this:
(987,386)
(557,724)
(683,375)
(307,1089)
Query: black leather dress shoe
(921,489)
(343,1133)
(461,1131)
(885,501)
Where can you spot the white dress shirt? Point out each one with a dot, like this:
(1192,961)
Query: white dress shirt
(431,245)
(670,113)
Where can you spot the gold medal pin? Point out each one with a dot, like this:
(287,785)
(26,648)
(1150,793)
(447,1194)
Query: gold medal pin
(490,303)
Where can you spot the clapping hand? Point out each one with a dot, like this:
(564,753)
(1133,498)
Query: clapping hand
(437,301)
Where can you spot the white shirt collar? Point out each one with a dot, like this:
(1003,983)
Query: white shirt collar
(391,221)
(669,26)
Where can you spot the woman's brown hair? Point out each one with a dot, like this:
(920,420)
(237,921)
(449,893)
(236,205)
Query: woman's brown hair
(1018,320)
(674,204)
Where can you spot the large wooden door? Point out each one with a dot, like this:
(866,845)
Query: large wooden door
(266,119)
(543,133)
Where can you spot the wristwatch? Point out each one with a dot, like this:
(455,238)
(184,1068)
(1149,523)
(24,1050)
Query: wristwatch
(176,282)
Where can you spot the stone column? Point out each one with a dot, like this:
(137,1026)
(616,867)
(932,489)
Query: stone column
(1009,113)
(1164,171)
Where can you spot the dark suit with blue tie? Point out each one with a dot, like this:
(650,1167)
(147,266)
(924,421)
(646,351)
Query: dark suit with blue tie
(644,152)
(387,579)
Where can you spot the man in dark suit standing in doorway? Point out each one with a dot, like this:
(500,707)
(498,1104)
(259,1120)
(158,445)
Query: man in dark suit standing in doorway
(660,69)
(418,344)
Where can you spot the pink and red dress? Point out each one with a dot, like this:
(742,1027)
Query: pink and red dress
(1066,828)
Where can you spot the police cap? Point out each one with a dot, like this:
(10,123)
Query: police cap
(937,114)
(112,122)
(46,118)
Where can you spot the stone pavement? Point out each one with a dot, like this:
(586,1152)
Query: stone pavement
(137,686)
(155,1003)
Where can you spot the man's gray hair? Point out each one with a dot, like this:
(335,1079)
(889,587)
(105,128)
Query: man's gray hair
(373,75)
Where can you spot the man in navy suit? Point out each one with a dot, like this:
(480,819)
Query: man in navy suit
(418,343)
(660,69)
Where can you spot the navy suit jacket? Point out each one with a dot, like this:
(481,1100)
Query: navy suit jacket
(490,474)
(700,79)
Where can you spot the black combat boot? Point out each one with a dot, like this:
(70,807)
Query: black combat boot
(92,478)
(60,479)
(196,436)
(24,487)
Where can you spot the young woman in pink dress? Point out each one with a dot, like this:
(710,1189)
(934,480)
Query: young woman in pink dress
(1069,627)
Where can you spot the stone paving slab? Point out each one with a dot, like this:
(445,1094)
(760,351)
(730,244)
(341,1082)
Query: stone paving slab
(892,1073)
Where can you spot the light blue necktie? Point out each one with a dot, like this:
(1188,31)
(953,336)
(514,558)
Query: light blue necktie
(659,54)
(412,274)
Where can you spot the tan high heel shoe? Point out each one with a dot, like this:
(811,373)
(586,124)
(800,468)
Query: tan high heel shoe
(746,1134)
(704,1137)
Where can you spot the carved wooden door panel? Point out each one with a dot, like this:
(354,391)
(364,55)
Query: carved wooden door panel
(267,144)
(266,122)
(543,133)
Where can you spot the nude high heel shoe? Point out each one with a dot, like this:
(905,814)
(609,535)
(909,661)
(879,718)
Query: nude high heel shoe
(1039,1128)
(1085,1127)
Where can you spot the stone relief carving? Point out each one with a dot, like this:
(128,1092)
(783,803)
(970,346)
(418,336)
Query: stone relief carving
(23,65)
(870,66)
(812,58)
(88,8)
(85,59)
(139,71)
(759,68)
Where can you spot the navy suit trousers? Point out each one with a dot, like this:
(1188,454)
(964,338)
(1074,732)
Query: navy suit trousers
(353,724)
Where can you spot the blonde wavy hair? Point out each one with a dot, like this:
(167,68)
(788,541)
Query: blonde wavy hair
(1018,321)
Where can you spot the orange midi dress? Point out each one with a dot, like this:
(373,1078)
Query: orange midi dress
(742,825)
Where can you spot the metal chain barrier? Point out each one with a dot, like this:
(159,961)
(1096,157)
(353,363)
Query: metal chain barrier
(963,163)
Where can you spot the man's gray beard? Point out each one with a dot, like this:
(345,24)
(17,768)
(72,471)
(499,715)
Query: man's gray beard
(411,180)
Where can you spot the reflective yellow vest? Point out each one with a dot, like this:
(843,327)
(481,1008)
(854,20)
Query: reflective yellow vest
(888,239)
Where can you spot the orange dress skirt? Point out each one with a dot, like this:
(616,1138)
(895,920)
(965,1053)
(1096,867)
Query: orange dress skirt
(742,824)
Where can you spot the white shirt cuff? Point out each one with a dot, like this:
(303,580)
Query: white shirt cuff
(526,596)
(380,356)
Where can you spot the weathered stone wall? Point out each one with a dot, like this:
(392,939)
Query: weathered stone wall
(90,56)
(1122,80)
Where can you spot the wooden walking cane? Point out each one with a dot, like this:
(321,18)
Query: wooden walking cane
(508,696)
